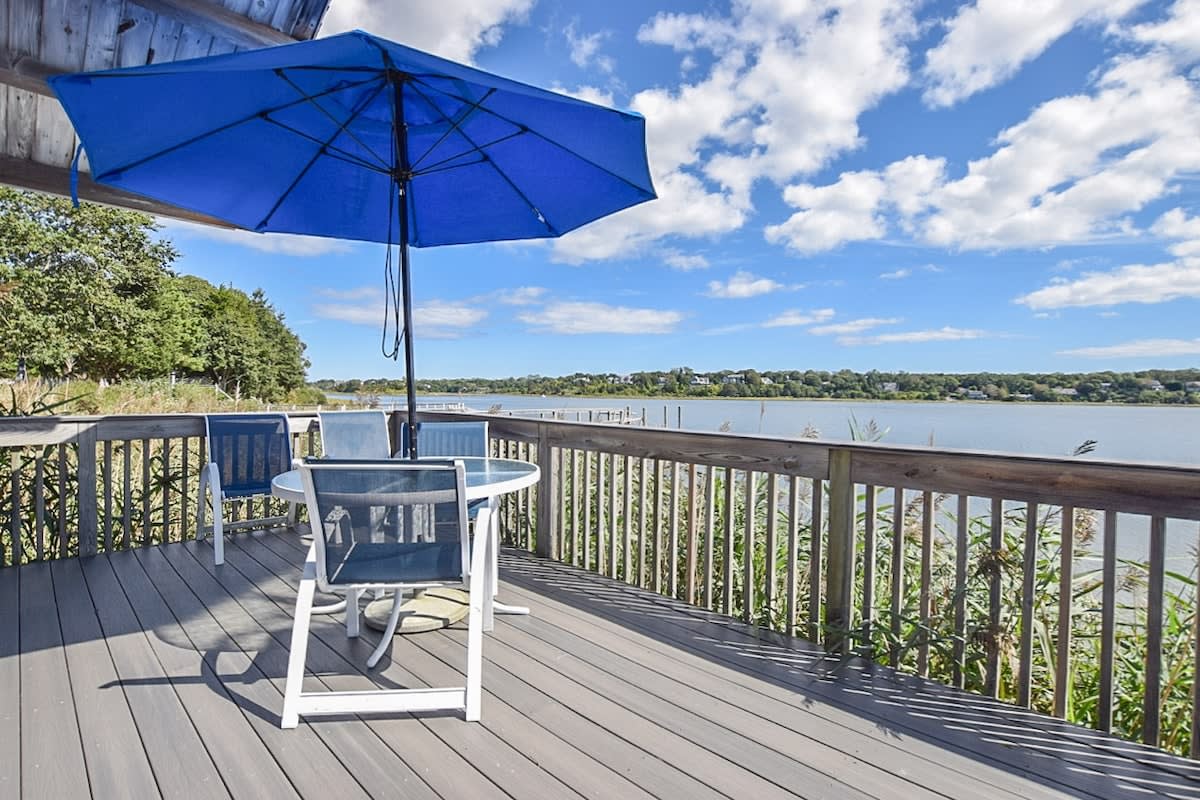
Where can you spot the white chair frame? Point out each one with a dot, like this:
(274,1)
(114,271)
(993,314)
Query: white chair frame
(481,586)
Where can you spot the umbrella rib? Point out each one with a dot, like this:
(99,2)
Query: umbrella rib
(455,124)
(487,159)
(334,152)
(320,151)
(543,137)
(192,140)
(440,166)
(332,118)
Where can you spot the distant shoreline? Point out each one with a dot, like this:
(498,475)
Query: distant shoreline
(672,398)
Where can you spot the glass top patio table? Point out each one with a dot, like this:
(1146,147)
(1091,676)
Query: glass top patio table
(485,478)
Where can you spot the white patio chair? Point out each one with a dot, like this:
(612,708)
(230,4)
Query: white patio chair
(355,434)
(393,526)
(447,439)
(245,453)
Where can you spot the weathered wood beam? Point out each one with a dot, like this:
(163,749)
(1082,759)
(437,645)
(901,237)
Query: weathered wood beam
(219,21)
(26,174)
(26,73)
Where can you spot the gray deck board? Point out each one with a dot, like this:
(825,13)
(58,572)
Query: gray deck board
(155,671)
(244,762)
(311,768)
(964,723)
(52,763)
(181,762)
(251,621)
(10,682)
(115,753)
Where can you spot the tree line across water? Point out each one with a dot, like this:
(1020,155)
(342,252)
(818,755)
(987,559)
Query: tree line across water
(89,292)
(1147,386)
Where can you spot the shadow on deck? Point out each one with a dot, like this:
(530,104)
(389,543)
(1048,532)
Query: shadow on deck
(153,673)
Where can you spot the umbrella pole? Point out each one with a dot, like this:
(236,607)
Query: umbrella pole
(410,372)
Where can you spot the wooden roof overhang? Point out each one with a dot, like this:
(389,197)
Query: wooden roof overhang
(42,38)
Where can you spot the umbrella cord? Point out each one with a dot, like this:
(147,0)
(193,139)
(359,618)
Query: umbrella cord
(392,294)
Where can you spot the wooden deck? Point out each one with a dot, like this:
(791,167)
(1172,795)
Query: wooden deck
(153,673)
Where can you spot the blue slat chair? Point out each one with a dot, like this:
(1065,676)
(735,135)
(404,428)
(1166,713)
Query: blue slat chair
(245,453)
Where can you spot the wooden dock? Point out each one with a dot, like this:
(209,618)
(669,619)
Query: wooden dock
(153,673)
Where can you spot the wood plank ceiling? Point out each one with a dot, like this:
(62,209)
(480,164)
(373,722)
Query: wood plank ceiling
(41,38)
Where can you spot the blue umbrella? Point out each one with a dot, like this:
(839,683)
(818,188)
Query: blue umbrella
(356,137)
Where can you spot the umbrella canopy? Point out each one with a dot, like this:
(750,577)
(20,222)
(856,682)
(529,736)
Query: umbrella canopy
(355,137)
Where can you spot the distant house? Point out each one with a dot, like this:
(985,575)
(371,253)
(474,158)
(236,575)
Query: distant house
(661,381)
(1106,385)
(975,394)
(767,381)
(1022,396)
(735,378)
(1064,391)
(700,380)
(621,379)
(1192,386)
(1154,386)
(890,386)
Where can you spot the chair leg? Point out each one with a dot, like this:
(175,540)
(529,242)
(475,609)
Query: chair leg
(388,633)
(200,503)
(218,530)
(494,531)
(352,613)
(291,515)
(480,599)
(299,648)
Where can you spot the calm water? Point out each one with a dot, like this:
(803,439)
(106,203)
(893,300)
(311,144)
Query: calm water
(1136,433)
(1162,434)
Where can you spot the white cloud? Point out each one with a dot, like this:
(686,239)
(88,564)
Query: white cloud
(944,334)
(521,296)
(585,47)
(742,285)
(592,94)
(365,306)
(988,41)
(852,209)
(453,29)
(781,98)
(854,326)
(684,262)
(282,243)
(580,318)
(1179,33)
(1139,348)
(1074,168)
(1073,171)
(896,275)
(1135,283)
(796,318)
(1175,224)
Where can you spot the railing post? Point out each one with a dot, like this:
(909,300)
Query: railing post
(547,525)
(839,581)
(85,440)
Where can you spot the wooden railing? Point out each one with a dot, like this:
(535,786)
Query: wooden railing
(1061,584)
(82,485)
(1064,585)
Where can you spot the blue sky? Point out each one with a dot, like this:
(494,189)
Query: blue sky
(861,184)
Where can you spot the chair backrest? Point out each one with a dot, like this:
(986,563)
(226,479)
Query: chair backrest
(249,451)
(448,439)
(377,524)
(355,434)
